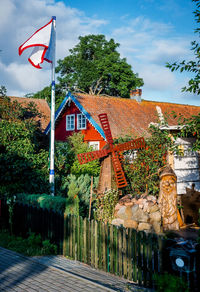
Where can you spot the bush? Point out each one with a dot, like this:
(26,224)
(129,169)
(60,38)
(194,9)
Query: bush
(168,283)
(105,205)
(31,246)
(80,187)
(57,204)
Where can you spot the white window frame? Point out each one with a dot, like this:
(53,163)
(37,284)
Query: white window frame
(81,127)
(71,128)
(94,144)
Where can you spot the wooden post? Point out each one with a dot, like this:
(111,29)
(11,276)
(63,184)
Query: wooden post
(125,253)
(130,277)
(96,260)
(139,263)
(65,235)
(120,245)
(111,249)
(84,241)
(91,192)
(92,232)
(134,254)
(104,245)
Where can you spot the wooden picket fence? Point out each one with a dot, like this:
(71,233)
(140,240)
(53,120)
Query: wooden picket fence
(136,256)
(123,252)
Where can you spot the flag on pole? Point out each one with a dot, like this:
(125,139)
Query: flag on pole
(42,43)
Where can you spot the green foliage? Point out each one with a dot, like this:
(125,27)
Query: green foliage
(11,203)
(168,283)
(31,246)
(23,157)
(24,160)
(69,205)
(78,146)
(94,66)
(57,204)
(68,171)
(143,172)
(80,187)
(48,248)
(64,159)
(105,205)
(191,66)
(190,127)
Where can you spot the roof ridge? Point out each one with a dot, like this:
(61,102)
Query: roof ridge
(132,100)
(28,98)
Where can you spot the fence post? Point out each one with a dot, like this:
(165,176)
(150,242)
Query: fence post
(92,232)
(130,276)
(134,255)
(120,246)
(104,244)
(139,263)
(145,244)
(96,261)
(85,241)
(65,235)
(115,250)
(124,253)
(111,249)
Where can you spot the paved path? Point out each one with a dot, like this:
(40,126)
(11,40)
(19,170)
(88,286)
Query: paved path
(55,274)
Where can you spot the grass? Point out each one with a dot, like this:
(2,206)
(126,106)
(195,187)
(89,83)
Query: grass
(33,245)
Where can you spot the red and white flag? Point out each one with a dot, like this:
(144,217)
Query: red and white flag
(42,43)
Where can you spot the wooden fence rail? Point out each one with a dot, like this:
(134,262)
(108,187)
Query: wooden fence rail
(124,252)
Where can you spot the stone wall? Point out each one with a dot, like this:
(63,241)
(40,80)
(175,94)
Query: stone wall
(140,214)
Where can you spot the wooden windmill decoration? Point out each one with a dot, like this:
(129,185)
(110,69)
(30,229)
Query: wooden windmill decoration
(110,158)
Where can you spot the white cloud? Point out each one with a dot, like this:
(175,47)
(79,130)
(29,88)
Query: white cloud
(157,77)
(148,46)
(18,21)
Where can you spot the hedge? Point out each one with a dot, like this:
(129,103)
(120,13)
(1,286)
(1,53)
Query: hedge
(56,203)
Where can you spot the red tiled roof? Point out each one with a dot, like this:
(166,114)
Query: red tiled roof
(41,105)
(127,116)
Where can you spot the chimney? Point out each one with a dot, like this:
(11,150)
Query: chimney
(136,94)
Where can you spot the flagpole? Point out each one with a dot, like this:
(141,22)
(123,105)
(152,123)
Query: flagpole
(52,135)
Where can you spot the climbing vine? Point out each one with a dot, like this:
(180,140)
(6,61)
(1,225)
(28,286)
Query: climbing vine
(143,172)
(105,204)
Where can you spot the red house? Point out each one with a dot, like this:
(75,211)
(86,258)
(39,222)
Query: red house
(79,113)
(71,117)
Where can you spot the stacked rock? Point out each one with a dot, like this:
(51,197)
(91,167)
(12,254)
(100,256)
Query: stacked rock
(140,214)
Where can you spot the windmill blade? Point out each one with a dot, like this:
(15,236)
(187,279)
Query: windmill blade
(119,173)
(106,127)
(133,144)
(90,156)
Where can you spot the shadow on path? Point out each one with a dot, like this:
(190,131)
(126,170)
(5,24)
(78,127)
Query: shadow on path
(15,268)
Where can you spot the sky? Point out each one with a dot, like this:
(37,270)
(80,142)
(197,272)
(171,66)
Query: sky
(150,33)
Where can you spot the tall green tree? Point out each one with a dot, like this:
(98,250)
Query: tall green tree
(192,66)
(94,66)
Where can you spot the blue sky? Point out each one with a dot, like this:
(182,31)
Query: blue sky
(150,33)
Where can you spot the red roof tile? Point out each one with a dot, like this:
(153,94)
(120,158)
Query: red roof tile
(127,116)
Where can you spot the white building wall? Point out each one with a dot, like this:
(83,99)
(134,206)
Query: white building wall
(187,167)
